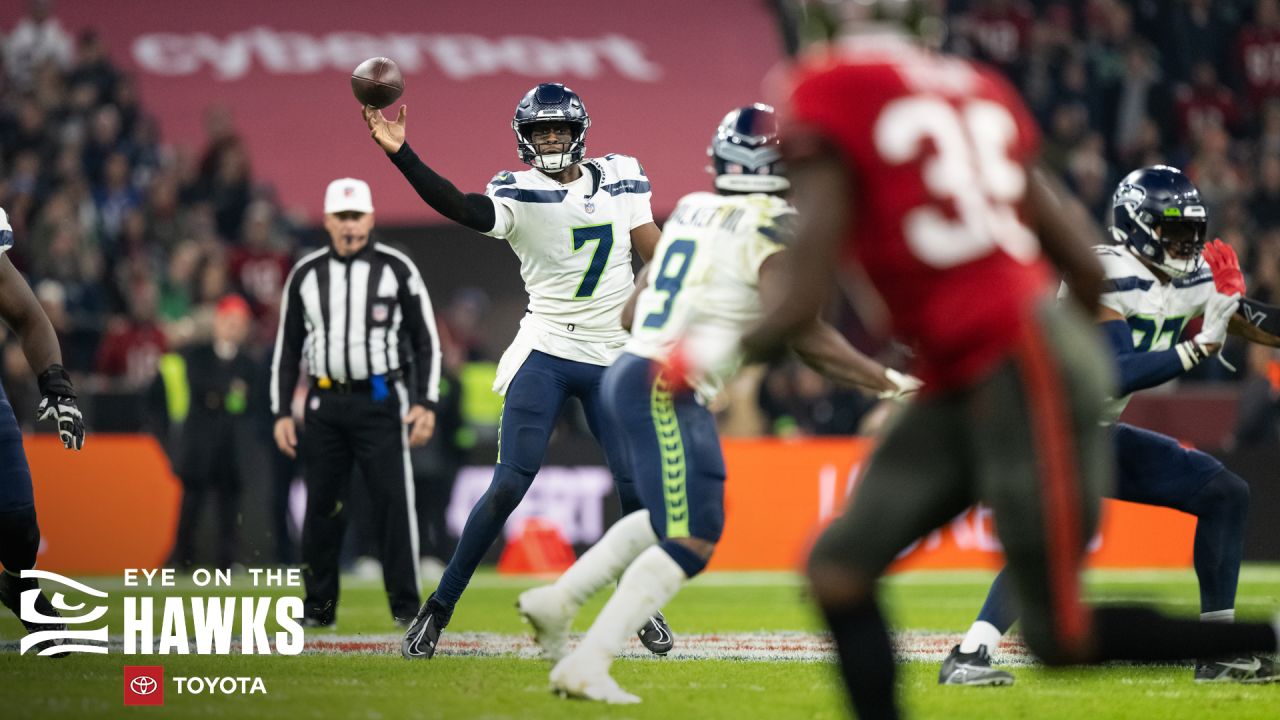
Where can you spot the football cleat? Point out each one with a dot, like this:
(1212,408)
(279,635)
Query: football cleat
(547,610)
(11,589)
(585,678)
(421,638)
(656,635)
(971,669)
(1246,669)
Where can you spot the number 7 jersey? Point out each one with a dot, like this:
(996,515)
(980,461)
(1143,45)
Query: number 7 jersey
(937,149)
(574,245)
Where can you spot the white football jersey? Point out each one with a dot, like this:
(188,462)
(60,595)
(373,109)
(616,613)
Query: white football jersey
(6,233)
(1157,312)
(575,252)
(704,278)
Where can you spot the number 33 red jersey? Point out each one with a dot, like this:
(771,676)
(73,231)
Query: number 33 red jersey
(938,149)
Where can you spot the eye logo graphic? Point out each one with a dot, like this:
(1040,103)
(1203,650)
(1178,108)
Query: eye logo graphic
(143,684)
(60,638)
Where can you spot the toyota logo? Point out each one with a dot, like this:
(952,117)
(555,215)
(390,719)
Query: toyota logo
(143,685)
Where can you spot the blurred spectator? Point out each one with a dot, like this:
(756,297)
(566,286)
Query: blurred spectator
(103,142)
(998,32)
(178,283)
(91,67)
(1215,171)
(1257,54)
(1204,102)
(1133,100)
(37,39)
(26,131)
(217,377)
(1264,205)
(260,264)
(1201,29)
(115,197)
(133,344)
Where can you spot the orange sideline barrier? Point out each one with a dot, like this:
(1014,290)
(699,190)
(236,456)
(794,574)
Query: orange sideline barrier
(113,505)
(780,493)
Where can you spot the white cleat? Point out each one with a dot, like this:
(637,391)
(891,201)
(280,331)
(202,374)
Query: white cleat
(583,678)
(549,612)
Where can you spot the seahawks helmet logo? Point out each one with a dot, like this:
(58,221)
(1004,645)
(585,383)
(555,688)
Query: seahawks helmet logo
(1130,195)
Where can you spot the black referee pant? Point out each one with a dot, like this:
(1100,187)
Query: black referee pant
(345,425)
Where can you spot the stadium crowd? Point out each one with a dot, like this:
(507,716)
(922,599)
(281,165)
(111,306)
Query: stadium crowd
(131,241)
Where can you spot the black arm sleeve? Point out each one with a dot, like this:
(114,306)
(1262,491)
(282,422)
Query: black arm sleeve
(420,320)
(474,210)
(1260,315)
(289,339)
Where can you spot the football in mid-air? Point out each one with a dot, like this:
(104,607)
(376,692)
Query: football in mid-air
(377,82)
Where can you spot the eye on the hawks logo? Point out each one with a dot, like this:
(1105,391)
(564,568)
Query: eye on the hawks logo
(59,638)
(143,684)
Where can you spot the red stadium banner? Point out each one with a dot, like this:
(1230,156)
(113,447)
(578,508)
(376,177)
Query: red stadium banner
(654,88)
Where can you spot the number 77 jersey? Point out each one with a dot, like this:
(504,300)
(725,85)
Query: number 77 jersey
(938,150)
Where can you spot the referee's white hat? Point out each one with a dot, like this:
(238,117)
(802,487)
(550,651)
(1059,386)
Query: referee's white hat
(348,194)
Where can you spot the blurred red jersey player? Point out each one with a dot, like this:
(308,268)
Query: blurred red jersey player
(917,168)
(939,147)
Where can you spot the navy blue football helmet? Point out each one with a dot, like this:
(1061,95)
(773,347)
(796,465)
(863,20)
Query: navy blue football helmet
(1159,214)
(551,102)
(745,153)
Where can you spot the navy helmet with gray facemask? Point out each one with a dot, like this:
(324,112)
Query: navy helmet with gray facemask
(745,153)
(1158,213)
(551,103)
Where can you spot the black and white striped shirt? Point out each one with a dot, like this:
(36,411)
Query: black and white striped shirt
(346,316)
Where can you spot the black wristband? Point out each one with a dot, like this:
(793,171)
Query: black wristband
(56,381)
(426,404)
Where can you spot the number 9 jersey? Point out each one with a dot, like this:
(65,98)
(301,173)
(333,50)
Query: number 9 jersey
(704,280)
(937,149)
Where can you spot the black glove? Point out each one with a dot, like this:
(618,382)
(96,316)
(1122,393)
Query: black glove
(59,403)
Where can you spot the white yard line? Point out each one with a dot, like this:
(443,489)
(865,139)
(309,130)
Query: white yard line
(758,647)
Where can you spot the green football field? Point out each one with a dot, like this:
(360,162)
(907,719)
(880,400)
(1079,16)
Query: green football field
(747,642)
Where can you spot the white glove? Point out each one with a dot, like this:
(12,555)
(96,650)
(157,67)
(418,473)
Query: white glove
(1217,313)
(905,385)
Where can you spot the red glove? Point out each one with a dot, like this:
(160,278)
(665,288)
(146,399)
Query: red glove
(675,368)
(1225,266)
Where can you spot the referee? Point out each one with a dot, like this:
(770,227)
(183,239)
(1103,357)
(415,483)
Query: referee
(360,315)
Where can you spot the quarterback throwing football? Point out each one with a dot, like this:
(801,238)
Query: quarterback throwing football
(573,222)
